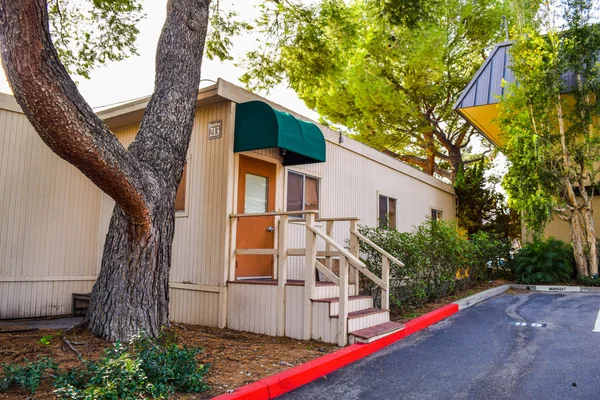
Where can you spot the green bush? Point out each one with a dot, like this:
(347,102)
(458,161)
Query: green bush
(588,280)
(147,368)
(543,261)
(438,259)
(28,376)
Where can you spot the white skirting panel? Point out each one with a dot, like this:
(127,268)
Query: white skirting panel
(294,312)
(252,308)
(39,299)
(194,307)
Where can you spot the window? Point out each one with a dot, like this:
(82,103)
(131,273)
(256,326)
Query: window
(302,192)
(387,212)
(436,215)
(180,197)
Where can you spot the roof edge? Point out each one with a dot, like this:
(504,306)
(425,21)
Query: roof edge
(479,72)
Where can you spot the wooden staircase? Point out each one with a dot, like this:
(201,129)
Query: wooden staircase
(364,324)
(332,310)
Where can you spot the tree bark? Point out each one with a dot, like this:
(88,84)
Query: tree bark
(577,237)
(132,289)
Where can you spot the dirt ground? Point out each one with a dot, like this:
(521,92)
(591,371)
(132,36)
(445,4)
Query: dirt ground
(236,358)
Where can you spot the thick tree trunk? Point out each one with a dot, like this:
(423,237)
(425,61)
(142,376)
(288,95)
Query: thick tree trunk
(590,234)
(578,248)
(132,289)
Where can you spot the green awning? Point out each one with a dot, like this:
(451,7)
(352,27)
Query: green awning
(260,126)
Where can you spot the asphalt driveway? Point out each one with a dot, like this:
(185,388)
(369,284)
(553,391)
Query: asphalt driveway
(525,346)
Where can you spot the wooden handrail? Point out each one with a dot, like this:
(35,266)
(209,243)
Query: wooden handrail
(379,249)
(354,261)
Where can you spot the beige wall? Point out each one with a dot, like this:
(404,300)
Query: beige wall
(49,214)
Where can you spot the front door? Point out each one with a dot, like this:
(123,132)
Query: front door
(256,194)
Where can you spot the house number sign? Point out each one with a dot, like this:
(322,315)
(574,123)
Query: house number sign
(214,130)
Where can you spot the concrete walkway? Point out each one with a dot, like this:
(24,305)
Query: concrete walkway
(39,323)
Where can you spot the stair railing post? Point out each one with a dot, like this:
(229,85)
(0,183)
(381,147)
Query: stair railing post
(343,304)
(232,246)
(385,277)
(309,275)
(354,250)
(282,248)
(328,248)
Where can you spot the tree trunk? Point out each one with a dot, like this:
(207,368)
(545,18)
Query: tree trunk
(578,248)
(590,233)
(132,289)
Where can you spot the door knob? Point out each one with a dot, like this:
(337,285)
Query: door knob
(270,229)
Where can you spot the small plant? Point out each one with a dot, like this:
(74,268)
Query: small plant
(543,261)
(147,368)
(28,376)
(45,340)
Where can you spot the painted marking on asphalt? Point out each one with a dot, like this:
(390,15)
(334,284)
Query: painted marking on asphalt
(531,324)
(597,325)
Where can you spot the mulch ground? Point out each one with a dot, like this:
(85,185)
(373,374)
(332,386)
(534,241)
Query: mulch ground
(236,358)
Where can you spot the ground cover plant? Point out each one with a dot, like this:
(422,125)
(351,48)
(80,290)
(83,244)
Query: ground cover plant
(438,258)
(144,368)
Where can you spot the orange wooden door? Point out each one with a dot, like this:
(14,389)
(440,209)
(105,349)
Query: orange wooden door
(256,194)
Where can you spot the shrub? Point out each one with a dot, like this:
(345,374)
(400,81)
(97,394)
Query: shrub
(543,261)
(28,376)
(147,368)
(437,258)
(588,280)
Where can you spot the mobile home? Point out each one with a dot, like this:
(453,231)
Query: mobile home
(266,224)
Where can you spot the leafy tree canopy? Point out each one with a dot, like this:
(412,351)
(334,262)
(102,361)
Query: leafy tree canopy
(389,80)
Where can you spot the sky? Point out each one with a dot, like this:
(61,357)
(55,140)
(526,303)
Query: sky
(134,77)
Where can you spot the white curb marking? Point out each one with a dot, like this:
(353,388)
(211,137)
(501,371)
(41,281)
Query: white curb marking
(597,325)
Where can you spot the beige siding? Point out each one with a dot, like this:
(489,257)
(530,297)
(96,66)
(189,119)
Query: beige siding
(49,216)
(194,307)
(252,308)
(349,187)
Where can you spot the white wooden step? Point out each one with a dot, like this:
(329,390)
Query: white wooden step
(373,333)
(366,318)
(355,303)
(324,291)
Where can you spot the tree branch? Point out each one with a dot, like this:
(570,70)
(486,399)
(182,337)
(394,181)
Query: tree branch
(58,112)
(477,159)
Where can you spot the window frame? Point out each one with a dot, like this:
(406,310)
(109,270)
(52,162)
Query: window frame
(439,213)
(304,175)
(387,218)
(185,212)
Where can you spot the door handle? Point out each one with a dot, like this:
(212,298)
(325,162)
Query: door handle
(270,229)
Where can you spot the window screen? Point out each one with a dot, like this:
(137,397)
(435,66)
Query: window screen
(436,215)
(387,212)
(311,193)
(302,192)
(295,189)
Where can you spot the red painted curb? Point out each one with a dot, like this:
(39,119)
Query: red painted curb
(286,381)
